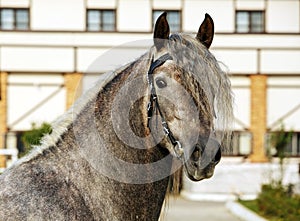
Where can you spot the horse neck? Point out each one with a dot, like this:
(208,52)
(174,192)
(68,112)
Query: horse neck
(143,196)
(121,117)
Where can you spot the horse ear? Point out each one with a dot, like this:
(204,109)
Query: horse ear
(206,31)
(161,31)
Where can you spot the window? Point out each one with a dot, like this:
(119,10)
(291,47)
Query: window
(14,19)
(250,22)
(101,20)
(292,148)
(240,144)
(174,19)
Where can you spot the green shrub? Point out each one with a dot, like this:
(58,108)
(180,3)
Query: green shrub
(278,203)
(33,136)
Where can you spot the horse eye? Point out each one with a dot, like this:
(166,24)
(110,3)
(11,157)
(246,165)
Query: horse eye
(161,83)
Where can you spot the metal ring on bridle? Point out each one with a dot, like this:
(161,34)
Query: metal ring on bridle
(178,149)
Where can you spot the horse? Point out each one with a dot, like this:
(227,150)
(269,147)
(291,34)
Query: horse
(113,154)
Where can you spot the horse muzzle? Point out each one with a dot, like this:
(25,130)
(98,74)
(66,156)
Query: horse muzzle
(202,159)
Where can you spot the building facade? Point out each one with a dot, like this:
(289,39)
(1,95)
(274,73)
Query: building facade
(47,50)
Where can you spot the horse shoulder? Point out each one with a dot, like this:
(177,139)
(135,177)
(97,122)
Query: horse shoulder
(35,191)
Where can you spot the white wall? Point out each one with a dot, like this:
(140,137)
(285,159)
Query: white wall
(101,4)
(48,59)
(283,16)
(241,107)
(26,91)
(221,11)
(167,4)
(256,41)
(238,61)
(103,60)
(134,15)
(62,52)
(234,178)
(280,61)
(57,15)
(250,5)
(14,3)
(283,97)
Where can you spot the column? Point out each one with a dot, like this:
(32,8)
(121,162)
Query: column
(3,114)
(73,87)
(258,117)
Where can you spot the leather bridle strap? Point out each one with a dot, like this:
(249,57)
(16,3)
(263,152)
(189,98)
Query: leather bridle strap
(153,104)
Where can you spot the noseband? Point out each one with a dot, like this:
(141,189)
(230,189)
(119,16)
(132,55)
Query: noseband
(153,105)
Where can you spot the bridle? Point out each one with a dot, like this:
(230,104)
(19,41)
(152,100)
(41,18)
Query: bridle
(153,105)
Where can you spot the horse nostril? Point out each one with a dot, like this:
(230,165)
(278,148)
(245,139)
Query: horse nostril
(218,155)
(196,153)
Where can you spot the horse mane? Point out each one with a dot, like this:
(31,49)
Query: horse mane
(203,73)
(61,124)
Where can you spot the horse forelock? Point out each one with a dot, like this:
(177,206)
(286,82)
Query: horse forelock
(208,85)
(202,73)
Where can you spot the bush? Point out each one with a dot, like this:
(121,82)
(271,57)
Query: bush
(34,136)
(278,202)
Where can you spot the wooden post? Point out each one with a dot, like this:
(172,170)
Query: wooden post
(258,117)
(3,115)
(73,87)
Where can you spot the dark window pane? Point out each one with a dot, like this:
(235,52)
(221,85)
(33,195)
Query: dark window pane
(174,21)
(93,20)
(108,20)
(93,27)
(242,22)
(22,19)
(93,16)
(249,21)
(98,20)
(14,19)
(257,22)
(7,19)
(289,147)
(108,27)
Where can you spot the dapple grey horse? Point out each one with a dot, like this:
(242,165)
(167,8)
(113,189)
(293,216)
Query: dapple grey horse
(111,156)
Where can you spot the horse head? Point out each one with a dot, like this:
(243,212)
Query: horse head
(185,83)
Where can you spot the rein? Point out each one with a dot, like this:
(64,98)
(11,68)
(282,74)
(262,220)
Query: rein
(153,104)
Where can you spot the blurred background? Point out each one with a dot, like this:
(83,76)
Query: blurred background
(47,46)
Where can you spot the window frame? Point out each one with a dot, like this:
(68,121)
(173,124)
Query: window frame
(250,23)
(101,20)
(15,19)
(163,10)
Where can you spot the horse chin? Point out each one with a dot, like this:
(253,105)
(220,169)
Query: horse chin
(202,161)
(195,173)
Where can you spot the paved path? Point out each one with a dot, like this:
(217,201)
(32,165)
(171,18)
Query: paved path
(180,209)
